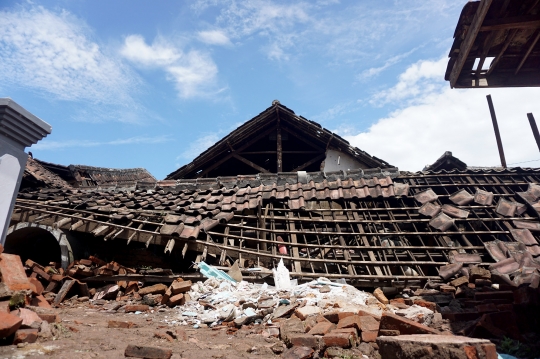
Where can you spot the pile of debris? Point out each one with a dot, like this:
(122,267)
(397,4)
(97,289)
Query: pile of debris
(24,313)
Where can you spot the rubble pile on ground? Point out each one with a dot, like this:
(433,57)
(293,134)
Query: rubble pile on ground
(25,313)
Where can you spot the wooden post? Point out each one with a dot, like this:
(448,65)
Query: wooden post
(534,129)
(279,148)
(496,129)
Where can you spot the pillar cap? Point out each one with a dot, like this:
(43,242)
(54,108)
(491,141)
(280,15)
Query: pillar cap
(20,125)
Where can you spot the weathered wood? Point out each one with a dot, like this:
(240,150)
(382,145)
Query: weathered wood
(468,42)
(279,146)
(250,163)
(68,284)
(515,22)
(310,162)
(526,56)
(61,222)
(496,129)
(295,252)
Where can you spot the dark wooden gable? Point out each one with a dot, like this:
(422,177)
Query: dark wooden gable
(276,140)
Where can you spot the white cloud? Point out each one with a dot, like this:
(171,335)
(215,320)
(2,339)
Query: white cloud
(194,73)
(53,52)
(56,145)
(160,53)
(375,71)
(214,37)
(432,118)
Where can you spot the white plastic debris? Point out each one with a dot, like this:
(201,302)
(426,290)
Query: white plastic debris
(282,278)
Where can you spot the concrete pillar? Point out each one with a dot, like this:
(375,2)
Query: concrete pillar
(18,129)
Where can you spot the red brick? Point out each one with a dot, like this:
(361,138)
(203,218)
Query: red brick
(137,308)
(336,339)
(405,326)
(9,324)
(304,340)
(322,328)
(176,300)
(180,287)
(38,286)
(424,303)
(459,281)
(369,337)
(470,352)
(349,322)
(136,351)
(13,274)
(120,324)
(368,324)
(342,315)
(352,331)
(388,332)
(40,301)
(298,353)
(163,335)
(25,336)
(377,317)
(153,289)
(333,317)
(490,350)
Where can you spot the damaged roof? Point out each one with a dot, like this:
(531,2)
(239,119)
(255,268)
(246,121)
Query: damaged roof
(367,226)
(241,146)
(496,45)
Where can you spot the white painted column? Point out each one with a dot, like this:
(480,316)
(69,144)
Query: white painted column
(18,129)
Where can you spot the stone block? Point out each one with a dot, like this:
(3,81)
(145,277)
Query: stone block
(405,326)
(291,327)
(25,336)
(136,351)
(153,289)
(9,324)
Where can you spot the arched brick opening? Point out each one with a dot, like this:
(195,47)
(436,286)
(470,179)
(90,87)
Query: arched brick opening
(42,244)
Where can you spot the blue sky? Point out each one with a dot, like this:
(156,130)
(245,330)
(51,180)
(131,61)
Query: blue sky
(152,84)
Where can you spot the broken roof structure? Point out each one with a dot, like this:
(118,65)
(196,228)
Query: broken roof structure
(277,140)
(506,32)
(370,226)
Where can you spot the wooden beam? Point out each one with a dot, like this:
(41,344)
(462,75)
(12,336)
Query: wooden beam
(303,139)
(249,163)
(526,56)
(278,144)
(515,22)
(497,58)
(311,161)
(522,79)
(496,129)
(468,42)
(230,155)
(274,152)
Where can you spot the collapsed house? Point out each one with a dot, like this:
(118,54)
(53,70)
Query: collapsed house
(345,215)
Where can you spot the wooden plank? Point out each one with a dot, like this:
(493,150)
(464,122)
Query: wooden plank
(515,22)
(230,155)
(278,144)
(295,252)
(468,42)
(68,284)
(310,162)
(249,163)
(526,56)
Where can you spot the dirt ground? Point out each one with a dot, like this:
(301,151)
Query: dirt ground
(85,334)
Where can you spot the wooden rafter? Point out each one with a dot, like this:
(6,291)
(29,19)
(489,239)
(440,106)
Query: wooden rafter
(468,42)
(310,162)
(249,163)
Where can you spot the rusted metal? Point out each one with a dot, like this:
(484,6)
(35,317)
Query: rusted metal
(496,129)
